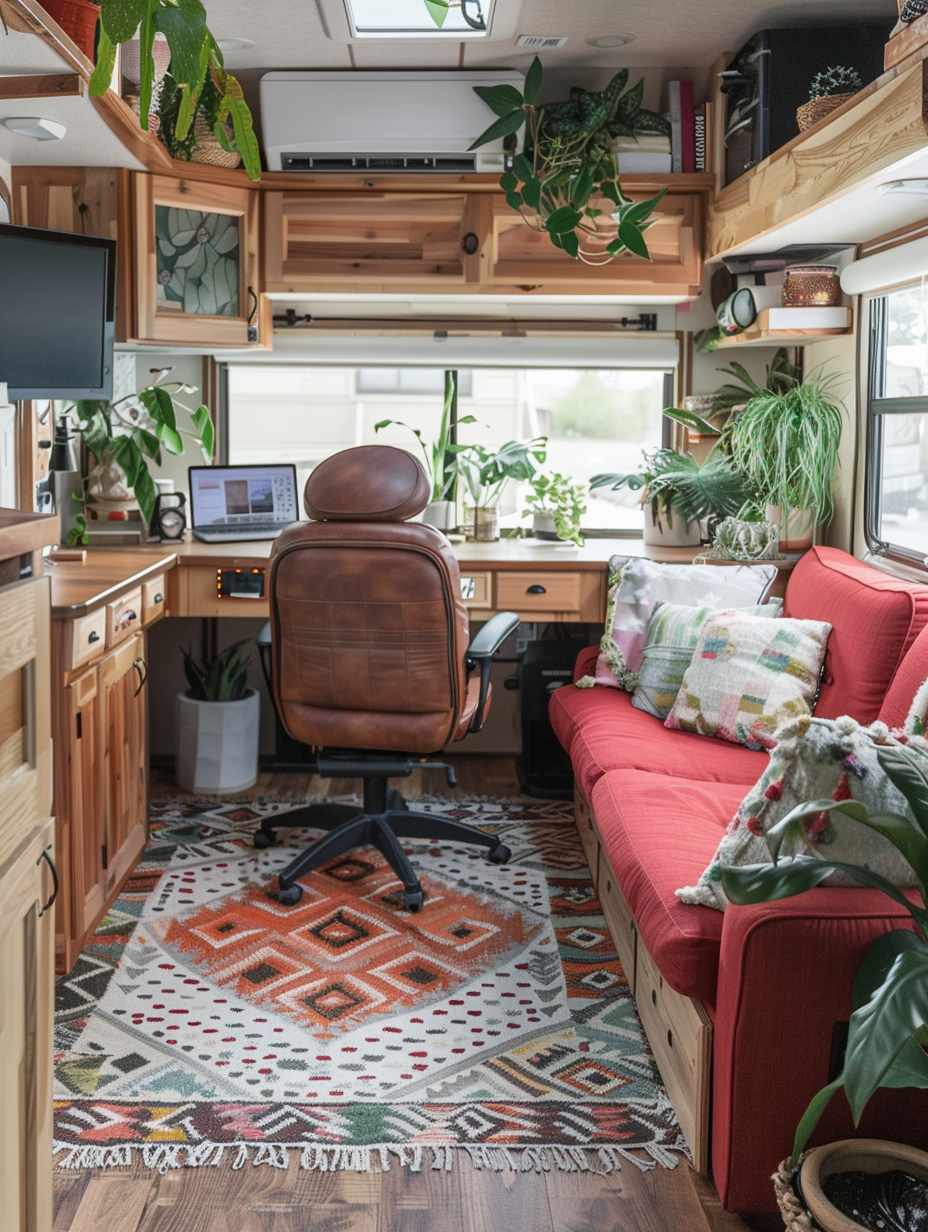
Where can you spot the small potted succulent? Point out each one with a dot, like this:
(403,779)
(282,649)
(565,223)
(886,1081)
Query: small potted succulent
(829,89)
(556,506)
(217,724)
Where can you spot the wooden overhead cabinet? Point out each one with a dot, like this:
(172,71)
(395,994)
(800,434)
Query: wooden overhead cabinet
(464,240)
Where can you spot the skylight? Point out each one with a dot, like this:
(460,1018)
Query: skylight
(455,19)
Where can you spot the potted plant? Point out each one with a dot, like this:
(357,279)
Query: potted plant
(828,91)
(439,458)
(674,483)
(889,1024)
(565,180)
(217,724)
(485,473)
(124,435)
(786,444)
(556,506)
(195,58)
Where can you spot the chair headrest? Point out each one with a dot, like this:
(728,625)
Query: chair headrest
(370,483)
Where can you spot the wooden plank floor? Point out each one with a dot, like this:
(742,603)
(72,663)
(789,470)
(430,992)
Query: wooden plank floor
(265,1199)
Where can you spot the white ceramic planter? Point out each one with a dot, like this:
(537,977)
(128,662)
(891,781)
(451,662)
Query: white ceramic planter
(680,535)
(798,532)
(440,514)
(217,744)
(543,526)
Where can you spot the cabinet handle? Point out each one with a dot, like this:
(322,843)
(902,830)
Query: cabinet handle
(51,864)
(142,668)
(536,590)
(470,243)
(94,637)
(670,1038)
(159,598)
(654,996)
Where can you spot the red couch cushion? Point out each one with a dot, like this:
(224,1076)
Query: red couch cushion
(875,619)
(912,674)
(602,731)
(659,834)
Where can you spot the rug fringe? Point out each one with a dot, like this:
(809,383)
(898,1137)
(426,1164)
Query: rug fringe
(166,1156)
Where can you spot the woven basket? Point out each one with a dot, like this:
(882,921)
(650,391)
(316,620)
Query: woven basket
(794,1216)
(208,150)
(817,108)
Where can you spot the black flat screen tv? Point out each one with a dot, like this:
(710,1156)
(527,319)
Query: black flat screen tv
(57,313)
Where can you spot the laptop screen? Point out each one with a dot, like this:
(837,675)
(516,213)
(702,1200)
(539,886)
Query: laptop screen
(242,495)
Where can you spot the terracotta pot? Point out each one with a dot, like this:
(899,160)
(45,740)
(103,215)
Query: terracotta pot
(852,1155)
(680,535)
(78,19)
(797,533)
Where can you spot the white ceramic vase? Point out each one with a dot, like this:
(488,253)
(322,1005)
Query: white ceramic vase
(799,530)
(543,526)
(680,535)
(440,514)
(217,744)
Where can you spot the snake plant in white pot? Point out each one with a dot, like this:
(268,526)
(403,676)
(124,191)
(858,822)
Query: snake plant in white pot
(217,724)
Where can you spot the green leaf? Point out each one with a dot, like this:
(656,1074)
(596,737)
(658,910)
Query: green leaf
(184,26)
(811,1117)
(508,182)
(204,426)
(905,771)
(570,244)
(563,220)
(691,420)
(533,80)
(523,168)
(507,124)
(502,100)
(145,493)
(631,237)
(514,200)
(245,140)
(121,18)
(763,883)
(106,62)
(611,190)
(171,439)
(159,404)
(437,10)
(531,193)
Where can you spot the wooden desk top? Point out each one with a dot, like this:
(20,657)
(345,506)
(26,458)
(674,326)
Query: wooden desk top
(81,586)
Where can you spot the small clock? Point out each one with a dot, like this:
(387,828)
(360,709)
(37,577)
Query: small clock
(170,520)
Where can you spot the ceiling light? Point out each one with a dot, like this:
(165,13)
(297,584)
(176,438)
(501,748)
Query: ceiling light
(916,187)
(235,44)
(34,126)
(611,40)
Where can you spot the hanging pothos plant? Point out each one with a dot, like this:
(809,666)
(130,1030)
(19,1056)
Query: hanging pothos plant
(195,56)
(565,180)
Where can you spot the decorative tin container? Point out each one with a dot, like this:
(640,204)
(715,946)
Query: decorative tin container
(811,286)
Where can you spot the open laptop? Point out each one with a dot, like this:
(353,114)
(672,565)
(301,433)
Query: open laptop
(229,504)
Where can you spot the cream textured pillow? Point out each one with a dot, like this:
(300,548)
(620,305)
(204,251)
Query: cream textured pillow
(749,675)
(815,759)
(673,632)
(635,585)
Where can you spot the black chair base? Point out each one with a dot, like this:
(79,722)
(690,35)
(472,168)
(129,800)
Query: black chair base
(380,822)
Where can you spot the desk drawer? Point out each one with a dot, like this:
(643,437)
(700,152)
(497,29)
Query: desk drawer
(153,595)
(88,638)
(538,591)
(123,617)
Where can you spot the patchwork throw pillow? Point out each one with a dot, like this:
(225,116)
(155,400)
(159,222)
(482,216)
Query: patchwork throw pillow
(673,632)
(749,675)
(815,759)
(635,585)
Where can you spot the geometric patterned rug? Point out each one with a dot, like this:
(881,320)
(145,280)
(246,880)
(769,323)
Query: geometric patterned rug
(206,1021)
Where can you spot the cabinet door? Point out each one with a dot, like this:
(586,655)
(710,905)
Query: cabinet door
(82,817)
(26,1004)
(122,680)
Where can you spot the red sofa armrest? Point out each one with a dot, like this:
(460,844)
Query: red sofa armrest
(586,662)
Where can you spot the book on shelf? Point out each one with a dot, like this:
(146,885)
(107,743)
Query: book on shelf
(682,126)
(699,137)
(650,152)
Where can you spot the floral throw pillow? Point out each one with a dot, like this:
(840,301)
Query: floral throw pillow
(673,632)
(749,675)
(814,759)
(635,585)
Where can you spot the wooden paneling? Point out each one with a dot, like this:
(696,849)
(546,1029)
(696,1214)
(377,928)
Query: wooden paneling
(50,85)
(82,200)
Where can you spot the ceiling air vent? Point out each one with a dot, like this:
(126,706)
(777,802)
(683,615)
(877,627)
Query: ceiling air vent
(540,42)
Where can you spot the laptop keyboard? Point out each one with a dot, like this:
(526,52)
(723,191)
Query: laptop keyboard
(217,534)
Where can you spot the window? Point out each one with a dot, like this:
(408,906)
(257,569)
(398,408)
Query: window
(595,420)
(896,504)
(414,19)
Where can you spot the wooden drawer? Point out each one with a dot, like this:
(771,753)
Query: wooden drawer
(87,638)
(538,591)
(619,918)
(476,590)
(588,836)
(153,600)
(123,617)
(680,1034)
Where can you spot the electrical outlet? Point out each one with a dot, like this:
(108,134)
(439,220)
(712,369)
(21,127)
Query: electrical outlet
(526,632)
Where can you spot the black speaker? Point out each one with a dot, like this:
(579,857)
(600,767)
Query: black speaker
(544,768)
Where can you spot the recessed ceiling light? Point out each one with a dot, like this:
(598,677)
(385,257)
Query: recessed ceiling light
(36,127)
(611,40)
(235,44)
(918,187)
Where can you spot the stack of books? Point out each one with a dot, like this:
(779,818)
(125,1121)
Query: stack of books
(690,129)
(646,153)
(116,524)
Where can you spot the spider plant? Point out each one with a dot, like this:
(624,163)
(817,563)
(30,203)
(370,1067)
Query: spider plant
(780,376)
(675,483)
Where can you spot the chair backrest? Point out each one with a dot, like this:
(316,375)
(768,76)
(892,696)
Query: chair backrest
(368,631)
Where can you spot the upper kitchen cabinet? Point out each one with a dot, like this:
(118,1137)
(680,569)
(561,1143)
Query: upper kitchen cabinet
(460,237)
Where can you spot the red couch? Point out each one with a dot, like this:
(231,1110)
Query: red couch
(743,1009)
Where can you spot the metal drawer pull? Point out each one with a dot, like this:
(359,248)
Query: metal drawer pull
(670,1038)
(536,590)
(94,637)
(654,996)
(159,598)
(51,864)
(142,668)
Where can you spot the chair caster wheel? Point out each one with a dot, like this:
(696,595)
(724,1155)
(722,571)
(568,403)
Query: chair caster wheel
(500,854)
(290,896)
(413,900)
(263,839)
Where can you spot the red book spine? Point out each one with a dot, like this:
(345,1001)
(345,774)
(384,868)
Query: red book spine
(687,128)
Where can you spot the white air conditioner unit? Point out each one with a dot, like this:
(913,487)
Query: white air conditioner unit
(379,121)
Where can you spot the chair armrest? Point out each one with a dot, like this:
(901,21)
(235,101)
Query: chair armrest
(481,651)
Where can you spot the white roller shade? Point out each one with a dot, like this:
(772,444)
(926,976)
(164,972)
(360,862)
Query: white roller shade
(886,269)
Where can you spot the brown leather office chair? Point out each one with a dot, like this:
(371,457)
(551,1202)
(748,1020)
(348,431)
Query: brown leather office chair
(369,659)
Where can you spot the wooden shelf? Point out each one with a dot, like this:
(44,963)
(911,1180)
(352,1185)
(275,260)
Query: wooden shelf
(760,333)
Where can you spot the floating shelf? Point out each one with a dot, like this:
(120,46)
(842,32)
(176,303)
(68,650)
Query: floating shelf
(761,333)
